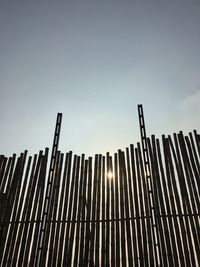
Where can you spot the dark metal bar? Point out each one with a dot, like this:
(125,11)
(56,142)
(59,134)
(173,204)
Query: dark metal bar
(146,207)
(42,251)
(110,220)
(149,185)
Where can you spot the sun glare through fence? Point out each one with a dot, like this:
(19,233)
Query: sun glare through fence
(110,175)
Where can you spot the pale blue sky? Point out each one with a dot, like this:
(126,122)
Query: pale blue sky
(94,61)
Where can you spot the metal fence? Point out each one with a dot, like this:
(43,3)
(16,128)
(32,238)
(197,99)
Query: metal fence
(138,207)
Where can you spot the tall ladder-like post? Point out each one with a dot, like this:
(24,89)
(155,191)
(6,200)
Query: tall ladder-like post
(149,185)
(42,249)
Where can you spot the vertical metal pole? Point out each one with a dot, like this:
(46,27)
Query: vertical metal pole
(149,185)
(42,250)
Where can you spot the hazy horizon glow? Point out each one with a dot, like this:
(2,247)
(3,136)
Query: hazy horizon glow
(94,61)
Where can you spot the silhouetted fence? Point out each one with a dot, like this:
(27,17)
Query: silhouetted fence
(139,207)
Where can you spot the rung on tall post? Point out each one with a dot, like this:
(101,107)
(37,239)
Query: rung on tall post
(42,250)
(149,185)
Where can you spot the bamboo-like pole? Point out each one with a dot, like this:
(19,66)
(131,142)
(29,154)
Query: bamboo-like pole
(74,211)
(23,228)
(112,199)
(146,206)
(4,193)
(167,221)
(107,251)
(185,197)
(195,166)
(103,239)
(4,167)
(54,225)
(93,212)
(121,193)
(32,215)
(66,181)
(131,202)
(127,216)
(140,260)
(97,242)
(142,214)
(176,205)
(166,253)
(13,197)
(189,258)
(88,215)
(79,207)
(69,215)
(194,222)
(16,237)
(58,217)
(117,245)
(41,185)
(174,229)
(84,205)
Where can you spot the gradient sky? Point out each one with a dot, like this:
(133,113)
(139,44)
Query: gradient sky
(94,61)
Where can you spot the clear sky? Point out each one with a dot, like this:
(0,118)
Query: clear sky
(94,61)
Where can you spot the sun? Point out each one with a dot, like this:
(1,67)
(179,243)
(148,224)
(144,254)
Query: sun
(110,175)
